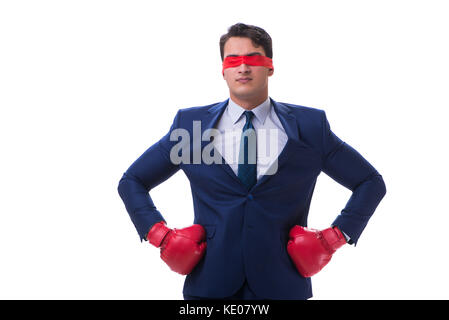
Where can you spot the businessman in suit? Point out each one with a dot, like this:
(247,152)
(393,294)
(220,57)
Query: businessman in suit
(249,238)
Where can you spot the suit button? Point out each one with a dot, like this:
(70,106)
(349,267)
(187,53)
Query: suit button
(250,197)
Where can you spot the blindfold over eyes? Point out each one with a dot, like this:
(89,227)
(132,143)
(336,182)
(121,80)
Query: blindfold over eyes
(232,62)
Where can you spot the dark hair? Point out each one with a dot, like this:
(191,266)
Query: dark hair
(258,36)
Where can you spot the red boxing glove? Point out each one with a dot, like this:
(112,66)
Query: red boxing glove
(181,249)
(312,249)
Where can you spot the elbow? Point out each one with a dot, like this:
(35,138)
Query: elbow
(381,187)
(122,186)
(129,185)
(374,185)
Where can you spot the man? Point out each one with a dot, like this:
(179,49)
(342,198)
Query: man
(249,238)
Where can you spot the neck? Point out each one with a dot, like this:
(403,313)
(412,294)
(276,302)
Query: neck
(247,103)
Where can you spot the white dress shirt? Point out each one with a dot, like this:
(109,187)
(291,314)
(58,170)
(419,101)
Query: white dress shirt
(271,136)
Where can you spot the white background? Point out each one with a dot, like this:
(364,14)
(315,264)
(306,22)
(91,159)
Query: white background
(87,86)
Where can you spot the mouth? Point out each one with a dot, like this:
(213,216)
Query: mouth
(244,80)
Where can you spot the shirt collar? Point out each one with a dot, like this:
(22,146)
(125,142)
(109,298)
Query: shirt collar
(260,112)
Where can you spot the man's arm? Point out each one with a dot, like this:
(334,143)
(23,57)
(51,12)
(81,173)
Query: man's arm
(345,165)
(149,170)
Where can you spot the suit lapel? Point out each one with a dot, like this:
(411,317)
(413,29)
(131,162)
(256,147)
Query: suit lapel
(288,121)
(210,121)
(211,117)
(291,129)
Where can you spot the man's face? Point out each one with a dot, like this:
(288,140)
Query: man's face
(246,82)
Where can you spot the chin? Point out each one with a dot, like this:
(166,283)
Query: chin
(245,92)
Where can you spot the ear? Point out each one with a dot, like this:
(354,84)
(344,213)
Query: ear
(270,72)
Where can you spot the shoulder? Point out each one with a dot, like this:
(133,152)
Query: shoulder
(310,121)
(201,110)
(303,111)
(187,115)
(306,116)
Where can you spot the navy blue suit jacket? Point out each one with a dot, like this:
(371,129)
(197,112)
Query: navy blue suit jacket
(247,231)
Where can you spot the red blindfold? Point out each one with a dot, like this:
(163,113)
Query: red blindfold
(232,62)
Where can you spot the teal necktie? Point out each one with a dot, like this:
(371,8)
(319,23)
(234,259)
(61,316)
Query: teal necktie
(247,169)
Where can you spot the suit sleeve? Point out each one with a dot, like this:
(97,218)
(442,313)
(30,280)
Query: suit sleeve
(149,170)
(348,167)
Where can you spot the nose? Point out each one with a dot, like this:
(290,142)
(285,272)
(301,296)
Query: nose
(244,68)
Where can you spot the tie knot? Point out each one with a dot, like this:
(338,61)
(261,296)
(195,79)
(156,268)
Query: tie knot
(249,115)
